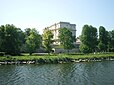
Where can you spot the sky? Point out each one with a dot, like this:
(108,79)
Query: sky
(43,13)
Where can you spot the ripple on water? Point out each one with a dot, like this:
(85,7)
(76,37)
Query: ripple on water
(92,73)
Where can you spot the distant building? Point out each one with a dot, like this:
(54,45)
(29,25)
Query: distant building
(55,27)
(55,30)
(78,42)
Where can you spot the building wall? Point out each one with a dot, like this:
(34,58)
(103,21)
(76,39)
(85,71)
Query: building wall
(54,28)
(61,50)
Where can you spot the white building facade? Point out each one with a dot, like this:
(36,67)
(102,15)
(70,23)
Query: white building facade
(55,29)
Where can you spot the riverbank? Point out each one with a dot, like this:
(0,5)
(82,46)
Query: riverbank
(52,58)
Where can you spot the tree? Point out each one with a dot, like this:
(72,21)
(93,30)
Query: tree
(10,39)
(2,37)
(22,37)
(66,38)
(47,40)
(103,39)
(101,46)
(111,41)
(0,40)
(85,48)
(33,41)
(27,31)
(88,39)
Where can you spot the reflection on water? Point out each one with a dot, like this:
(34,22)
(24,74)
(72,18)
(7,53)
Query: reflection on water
(92,73)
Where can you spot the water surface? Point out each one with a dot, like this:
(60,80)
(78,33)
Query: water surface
(92,73)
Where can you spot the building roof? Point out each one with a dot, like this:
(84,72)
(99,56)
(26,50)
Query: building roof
(61,22)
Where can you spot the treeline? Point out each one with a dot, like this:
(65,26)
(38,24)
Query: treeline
(13,40)
(94,41)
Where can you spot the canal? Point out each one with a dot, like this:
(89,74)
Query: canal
(84,73)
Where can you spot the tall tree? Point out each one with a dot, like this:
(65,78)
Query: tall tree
(33,41)
(103,39)
(66,38)
(27,31)
(88,39)
(10,39)
(111,40)
(22,37)
(2,37)
(47,40)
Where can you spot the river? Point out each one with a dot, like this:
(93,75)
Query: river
(84,73)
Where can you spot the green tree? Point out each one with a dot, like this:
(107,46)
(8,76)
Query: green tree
(85,48)
(22,38)
(103,39)
(111,40)
(101,46)
(33,41)
(2,37)
(27,31)
(66,38)
(88,39)
(10,39)
(47,40)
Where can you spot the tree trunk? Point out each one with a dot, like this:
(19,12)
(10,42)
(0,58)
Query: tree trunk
(30,53)
(68,51)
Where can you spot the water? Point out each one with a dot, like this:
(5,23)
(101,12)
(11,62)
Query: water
(92,73)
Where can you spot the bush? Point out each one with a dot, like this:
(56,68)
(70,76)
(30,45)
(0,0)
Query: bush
(85,49)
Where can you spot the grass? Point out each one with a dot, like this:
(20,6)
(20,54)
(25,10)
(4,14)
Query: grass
(26,57)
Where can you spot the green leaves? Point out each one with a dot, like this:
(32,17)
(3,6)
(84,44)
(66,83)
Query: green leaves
(103,39)
(88,39)
(90,43)
(10,41)
(47,40)
(66,39)
(33,41)
(85,48)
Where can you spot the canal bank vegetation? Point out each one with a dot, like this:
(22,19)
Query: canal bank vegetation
(55,58)
(92,42)
(14,41)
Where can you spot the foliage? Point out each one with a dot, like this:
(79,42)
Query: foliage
(111,41)
(85,49)
(27,31)
(101,46)
(47,40)
(33,41)
(103,39)
(10,41)
(58,57)
(13,40)
(66,38)
(88,39)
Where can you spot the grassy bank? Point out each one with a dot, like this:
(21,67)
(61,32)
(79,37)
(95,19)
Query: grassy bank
(58,58)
